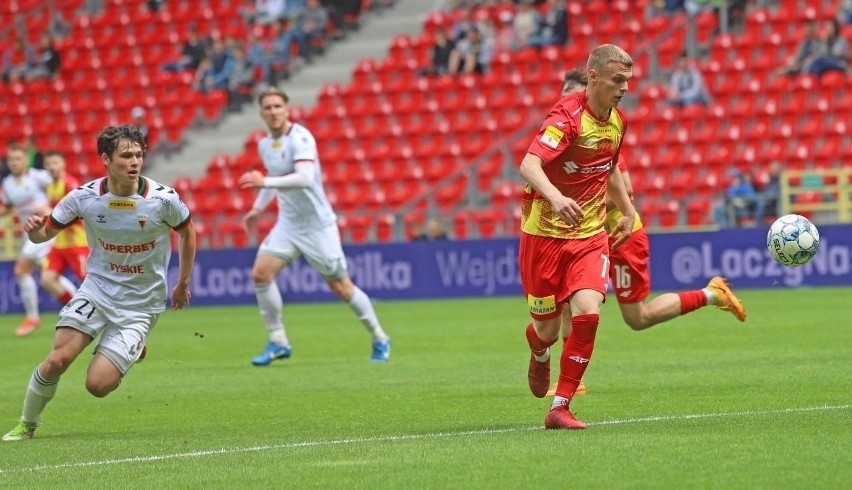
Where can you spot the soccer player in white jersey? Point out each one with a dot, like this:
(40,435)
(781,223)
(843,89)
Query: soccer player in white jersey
(25,191)
(306,226)
(128,220)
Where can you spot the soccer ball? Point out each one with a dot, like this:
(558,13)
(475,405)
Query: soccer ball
(792,240)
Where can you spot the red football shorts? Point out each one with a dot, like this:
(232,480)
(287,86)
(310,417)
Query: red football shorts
(628,268)
(73,258)
(553,269)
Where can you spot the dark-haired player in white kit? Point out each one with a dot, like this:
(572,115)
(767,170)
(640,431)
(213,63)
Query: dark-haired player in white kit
(306,226)
(128,220)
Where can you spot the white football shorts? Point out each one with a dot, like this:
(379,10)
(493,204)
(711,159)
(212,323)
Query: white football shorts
(36,252)
(123,333)
(321,248)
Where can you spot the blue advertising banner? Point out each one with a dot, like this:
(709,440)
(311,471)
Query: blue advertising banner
(489,268)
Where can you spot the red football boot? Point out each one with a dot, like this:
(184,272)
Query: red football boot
(560,417)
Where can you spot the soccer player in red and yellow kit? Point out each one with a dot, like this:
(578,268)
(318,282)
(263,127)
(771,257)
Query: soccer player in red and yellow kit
(570,169)
(629,272)
(71,248)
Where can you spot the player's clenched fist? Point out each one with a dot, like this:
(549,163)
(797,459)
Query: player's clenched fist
(251,179)
(35,223)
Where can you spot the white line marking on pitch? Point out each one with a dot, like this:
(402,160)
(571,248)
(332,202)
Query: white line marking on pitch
(410,437)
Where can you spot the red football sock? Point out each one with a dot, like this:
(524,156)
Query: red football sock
(691,301)
(65,298)
(576,353)
(537,345)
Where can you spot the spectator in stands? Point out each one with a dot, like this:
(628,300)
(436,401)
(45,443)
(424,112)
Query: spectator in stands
(552,28)
(769,196)
(18,60)
(739,201)
(215,71)
(471,54)
(35,159)
(808,49)
(524,23)
(687,84)
(241,80)
(193,51)
(47,61)
(138,115)
(258,56)
(313,22)
(57,27)
(463,25)
(154,6)
(434,230)
(847,11)
(268,11)
(441,52)
(287,35)
(833,52)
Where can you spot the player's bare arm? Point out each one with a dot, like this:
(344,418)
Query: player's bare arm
(250,219)
(565,207)
(617,191)
(37,229)
(186,257)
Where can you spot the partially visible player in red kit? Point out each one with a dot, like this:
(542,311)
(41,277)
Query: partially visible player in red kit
(629,271)
(71,248)
(570,169)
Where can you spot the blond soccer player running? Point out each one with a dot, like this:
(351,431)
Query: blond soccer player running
(128,220)
(632,285)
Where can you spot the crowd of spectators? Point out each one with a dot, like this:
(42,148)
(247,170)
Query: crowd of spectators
(818,53)
(483,29)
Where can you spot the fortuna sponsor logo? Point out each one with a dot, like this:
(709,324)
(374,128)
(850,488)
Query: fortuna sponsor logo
(122,205)
(571,167)
(541,306)
(128,249)
(581,360)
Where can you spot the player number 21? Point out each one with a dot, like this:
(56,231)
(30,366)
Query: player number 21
(80,309)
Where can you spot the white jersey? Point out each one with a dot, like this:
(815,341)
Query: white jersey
(27,193)
(303,208)
(129,238)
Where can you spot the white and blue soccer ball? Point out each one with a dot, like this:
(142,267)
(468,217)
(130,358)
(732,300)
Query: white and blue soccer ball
(792,240)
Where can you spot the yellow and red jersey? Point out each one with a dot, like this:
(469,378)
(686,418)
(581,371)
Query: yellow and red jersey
(579,152)
(75,235)
(613,214)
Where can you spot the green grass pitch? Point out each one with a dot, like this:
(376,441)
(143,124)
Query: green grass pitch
(701,402)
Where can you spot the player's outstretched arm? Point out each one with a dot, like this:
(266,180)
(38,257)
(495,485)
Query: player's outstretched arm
(186,258)
(617,192)
(565,207)
(37,229)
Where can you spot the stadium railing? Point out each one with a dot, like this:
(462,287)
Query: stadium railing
(824,195)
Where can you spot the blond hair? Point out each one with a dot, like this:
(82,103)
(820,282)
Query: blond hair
(272,91)
(605,54)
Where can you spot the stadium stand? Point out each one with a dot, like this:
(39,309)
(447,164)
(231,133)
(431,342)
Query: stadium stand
(398,146)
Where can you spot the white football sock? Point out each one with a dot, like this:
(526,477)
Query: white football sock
(270,303)
(39,392)
(559,400)
(544,357)
(711,298)
(363,308)
(29,294)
